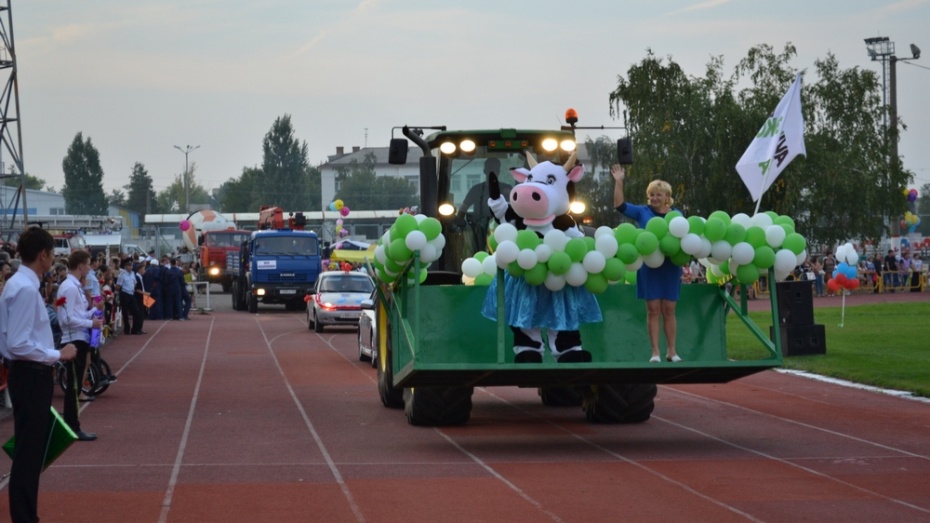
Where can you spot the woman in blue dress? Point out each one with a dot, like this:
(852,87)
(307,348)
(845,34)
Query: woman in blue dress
(661,286)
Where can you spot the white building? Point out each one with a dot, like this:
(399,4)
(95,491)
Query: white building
(49,209)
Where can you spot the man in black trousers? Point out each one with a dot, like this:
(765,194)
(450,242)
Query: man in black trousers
(26,344)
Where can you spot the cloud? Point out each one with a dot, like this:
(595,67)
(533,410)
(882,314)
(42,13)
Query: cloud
(709,4)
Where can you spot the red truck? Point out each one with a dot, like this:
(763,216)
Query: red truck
(213,246)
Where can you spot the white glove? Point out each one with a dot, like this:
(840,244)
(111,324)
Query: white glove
(498,207)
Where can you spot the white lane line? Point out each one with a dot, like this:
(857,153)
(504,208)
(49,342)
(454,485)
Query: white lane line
(334,470)
(624,459)
(182,446)
(903,394)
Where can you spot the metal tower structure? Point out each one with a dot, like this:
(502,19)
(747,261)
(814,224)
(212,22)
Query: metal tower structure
(10,131)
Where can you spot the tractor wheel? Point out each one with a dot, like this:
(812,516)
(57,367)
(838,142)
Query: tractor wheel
(561,396)
(253,303)
(391,396)
(619,403)
(438,406)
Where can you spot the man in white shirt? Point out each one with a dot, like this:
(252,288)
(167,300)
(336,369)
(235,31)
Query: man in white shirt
(26,344)
(75,316)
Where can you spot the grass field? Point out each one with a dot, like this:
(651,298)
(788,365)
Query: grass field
(886,345)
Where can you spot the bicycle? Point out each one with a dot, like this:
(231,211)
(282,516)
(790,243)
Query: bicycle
(97,380)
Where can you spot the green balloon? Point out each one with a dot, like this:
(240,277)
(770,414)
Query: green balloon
(431,228)
(480,256)
(527,239)
(672,215)
(483,279)
(720,215)
(714,229)
(596,283)
(399,251)
(747,274)
(680,258)
(789,229)
(614,269)
(795,243)
(392,265)
(764,258)
(646,243)
(735,233)
(627,253)
(724,268)
(625,233)
(630,277)
(492,243)
(576,249)
(405,224)
(696,225)
(537,275)
(657,226)
(559,263)
(670,245)
(772,215)
(589,244)
(784,220)
(514,269)
(755,236)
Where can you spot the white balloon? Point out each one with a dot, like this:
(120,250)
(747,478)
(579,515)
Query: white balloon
(678,227)
(379,254)
(691,244)
(733,266)
(556,240)
(527,259)
(419,217)
(602,230)
(635,265)
(489,265)
(654,259)
(705,262)
(715,269)
(506,252)
(785,261)
(554,282)
(505,232)
(386,237)
(775,235)
(415,240)
(606,244)
(471,267)
(742,219)
(439,242)
(743,253)
(468,280)
(576,275)
(705,248)
(543,252)
(594,262)
(801,257)
(428,254)
(762,220)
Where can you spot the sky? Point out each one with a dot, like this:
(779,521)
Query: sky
(139,78)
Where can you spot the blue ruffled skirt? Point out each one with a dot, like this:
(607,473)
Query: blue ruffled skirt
(528,306)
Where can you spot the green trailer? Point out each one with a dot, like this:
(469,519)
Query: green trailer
(434,346)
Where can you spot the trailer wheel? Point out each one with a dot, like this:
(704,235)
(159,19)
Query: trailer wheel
(619,403)
(561,396)
(236,305)
(226,286)
(391,396)
(438,406)
(253,303)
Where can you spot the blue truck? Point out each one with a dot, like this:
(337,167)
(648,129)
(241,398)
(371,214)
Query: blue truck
(275,266)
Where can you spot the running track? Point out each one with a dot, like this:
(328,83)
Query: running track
(238,417)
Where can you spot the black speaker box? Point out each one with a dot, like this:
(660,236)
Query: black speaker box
(802,340)
(796,302)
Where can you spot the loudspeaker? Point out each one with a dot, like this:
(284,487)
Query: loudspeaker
(802,340)
(796,302)
(625,151)
(397,152)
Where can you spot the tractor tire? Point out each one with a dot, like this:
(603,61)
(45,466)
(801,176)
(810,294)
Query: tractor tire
(561,396)
(438,406)
(619,403)
(391,396)
(253,303)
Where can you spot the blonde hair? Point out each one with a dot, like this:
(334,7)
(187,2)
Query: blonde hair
(661,186)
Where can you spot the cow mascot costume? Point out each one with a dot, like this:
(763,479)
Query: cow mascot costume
(540,202)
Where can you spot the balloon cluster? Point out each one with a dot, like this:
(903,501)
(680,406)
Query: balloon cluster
(910,221)
(737,248)
(911,195)
(845,275)
(407,235)
(343,210)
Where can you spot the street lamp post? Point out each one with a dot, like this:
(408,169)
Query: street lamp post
(187,149)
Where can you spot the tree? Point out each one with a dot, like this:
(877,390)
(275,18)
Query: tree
(31,182)
(141,197)
(922,210)
(285,168)
(691,131)
(596,189)
(171,200)
(83,190)
(117,198)
(240,194)
(362,189)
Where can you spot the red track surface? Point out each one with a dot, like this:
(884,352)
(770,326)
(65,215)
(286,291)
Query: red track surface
(238,417)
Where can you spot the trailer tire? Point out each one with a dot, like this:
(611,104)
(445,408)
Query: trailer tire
(619,403)
(438,406)
(561,396)
(226,286)
(236,301)
(253,303)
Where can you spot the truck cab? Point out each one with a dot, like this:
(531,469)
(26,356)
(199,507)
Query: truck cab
(214,247)
(275,267)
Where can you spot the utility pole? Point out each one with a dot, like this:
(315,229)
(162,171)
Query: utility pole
(187,186)
(11,134)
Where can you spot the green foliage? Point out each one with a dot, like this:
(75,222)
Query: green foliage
(171,200)
(884,345)
(285,169)
(239,194)
(31,182)
(83,190)
(691,131)
(361,189)
(117,198)
(142,196)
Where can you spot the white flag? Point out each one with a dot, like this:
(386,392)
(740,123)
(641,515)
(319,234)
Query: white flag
(778,142)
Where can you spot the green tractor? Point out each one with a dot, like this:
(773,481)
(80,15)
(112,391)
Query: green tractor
(434,346)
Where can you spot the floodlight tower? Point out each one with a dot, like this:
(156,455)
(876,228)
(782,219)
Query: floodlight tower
(10,132)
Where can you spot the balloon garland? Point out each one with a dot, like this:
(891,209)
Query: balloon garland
(408,234)
(343,210)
